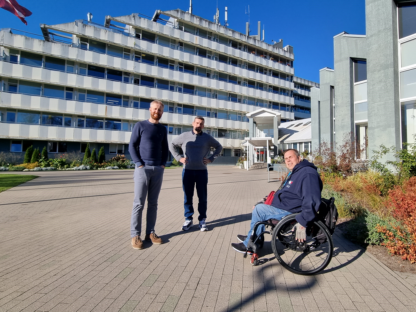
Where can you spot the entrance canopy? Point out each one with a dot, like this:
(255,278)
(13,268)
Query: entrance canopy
(260,142)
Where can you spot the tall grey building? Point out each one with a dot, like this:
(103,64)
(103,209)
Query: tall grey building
(370,95)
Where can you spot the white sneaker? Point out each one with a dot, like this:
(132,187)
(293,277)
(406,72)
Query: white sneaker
(187,225)
(202,226)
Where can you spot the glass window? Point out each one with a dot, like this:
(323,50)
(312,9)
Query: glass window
(409,122)
(163,41)
(222,96)
(31,59)
(223,77)
(113,124)
(83,69)
(232,79)
(202,52)
(12,86)
(113,99)
(407,20)
(188,110)
(52,147)
(201,91)
(62,147)
(67,121)
(189,48)
(54,63)
(233,116)
(161,62)
(114,75)
(360,92)
(162,84)
(94,123)
(16,146)
(81,95)
(145,104)
(408,56)
(361,111)
(95,71)
(222,114)
(69,94)
(148,59)
(147,81)
(30,88)
(188,89)
(147,36)
(95,97)
(360,70)
(223,58)
(251,84)
(408,84)
(136,103)
(52,119)
(200,111)
(54,91)
(222,133)
(251,67)
(97,46)
(11,117)
(189,69)
(233,97)
(114,51)
(28,117)
(81,123)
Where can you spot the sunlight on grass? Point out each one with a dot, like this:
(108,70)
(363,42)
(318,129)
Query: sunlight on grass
(10,180)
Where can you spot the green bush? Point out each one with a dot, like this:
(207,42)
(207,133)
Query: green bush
(28,155)
(35,156)
(101,155)
(93,156)
(45,153)
(87,153)
(16,168)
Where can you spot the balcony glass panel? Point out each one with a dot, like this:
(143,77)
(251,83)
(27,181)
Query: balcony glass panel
(163,41)
(113,124)
(97,46)
(201,112)
(223,77)
(145,104)
(113,99)
(94,123)
(188,89)
(115,75)
(361,111)
(54,91)
(52,119)
(408,84)
(54,64)
(148,59)
(162,84)
(189,69)
(114,51)
(95,71)
(30,88)
(67,121)
(188,110)
(149,37)
(95,97)
(30,59)
(28,118)
(360,92)
(147,81)
(222,114)
(409,53)
(164,63)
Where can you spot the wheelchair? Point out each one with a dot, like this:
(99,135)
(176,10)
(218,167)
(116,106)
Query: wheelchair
(304,258)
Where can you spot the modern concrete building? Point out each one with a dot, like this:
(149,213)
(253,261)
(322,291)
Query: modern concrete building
(370,95)
(89,83)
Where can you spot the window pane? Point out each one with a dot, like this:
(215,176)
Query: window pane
(30,59)
(16,146)
(189,69)
(113,124)
(62,147)
(162,84)
(407,20)
(360,92)
(409,122)
(147,81)
(94,123)
(360,70)
(67,122)
(114,51)
(408,84)
(11,117)
(147,36)
(409,53)
(95,71)
(54,63)
(28,118)
(164,63)
(188,110)
(188,89)
(222,133)
(114,75)
(222,96)
(97,46)
(361,111)
(148,59)
(163,41)
(81,123)
(145,104)
(54,91)
(95,97)
(52,147)
(113,99)
(222,114)
(51,119)
(200,112)
(30,88)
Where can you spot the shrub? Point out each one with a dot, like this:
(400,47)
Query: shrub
(87,153)
(30,166)
(16,168)
(101,155)
(93,156)
(28,155)
(59,163)
(35,156)
(45,153)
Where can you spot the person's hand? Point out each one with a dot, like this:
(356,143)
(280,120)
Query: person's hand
(183,160)
(206,161)
(163,167)
(141,166)
(300,232)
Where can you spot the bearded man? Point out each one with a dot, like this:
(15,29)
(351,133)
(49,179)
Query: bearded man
(149,150)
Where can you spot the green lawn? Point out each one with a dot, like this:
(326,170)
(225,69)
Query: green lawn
(10,180)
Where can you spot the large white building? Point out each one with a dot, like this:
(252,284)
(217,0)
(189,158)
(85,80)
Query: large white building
(89,83)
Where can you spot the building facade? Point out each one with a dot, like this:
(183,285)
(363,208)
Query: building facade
(89,83)
(370,95)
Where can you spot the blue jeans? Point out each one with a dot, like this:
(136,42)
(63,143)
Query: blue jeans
(190,179)
(264,212)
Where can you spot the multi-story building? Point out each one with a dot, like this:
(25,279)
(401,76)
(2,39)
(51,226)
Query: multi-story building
(89,83)
(370,96)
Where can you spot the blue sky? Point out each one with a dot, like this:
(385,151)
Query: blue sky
(308,26)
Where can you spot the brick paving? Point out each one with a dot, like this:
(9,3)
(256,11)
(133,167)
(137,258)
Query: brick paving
(65,246)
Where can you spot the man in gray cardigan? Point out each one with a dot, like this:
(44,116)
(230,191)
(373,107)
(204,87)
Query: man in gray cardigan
(191,149)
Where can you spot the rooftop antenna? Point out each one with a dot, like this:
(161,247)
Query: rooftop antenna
(248,13)
(226,17)
(190,6)
(89,17)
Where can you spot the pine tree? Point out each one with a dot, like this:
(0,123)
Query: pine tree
(45,153)
(35,156)
(28,155)
(87,153)
(101,155)
(94,156)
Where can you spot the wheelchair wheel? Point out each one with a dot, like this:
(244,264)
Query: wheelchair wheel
(307,258)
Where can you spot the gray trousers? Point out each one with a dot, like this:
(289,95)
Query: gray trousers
(147,182)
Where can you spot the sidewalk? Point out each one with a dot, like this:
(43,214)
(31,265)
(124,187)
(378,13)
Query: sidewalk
(65,246)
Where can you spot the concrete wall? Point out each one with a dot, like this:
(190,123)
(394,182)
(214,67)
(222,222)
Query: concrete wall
(315,120)
(326,77)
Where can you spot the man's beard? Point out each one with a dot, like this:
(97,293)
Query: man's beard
(156,116)
(198,129)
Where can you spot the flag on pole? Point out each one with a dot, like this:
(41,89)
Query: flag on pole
(13,7)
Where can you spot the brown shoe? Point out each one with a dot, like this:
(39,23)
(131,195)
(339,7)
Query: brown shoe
(136,242)
(154,238)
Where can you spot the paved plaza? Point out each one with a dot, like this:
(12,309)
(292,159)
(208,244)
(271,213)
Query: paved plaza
(65,246)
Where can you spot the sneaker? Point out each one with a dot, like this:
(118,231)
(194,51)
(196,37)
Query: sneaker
(202,225)
(136,242)
(241,238)
(240,247)
(153,238)
(187,225)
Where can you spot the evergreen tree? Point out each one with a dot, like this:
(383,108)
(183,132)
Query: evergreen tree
(28,155)
(87,153)
(45,153)
(101,155)
(94,156)
(35,156)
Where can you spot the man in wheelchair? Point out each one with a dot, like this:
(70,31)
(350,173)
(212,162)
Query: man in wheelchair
(299,192)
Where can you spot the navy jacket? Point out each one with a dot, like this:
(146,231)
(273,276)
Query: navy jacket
(301,193)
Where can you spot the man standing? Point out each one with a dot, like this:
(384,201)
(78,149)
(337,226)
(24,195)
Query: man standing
(149,150)
(190,148)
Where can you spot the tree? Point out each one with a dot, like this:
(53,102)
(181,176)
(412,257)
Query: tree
(28,155)
(101,155)
(35,156)
(87,153)
(45,153)
(94,156)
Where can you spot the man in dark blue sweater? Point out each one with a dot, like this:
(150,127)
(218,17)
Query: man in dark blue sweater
(149,150)
(300,192)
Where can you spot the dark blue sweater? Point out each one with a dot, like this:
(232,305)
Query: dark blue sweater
(149,144)
(301,193)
